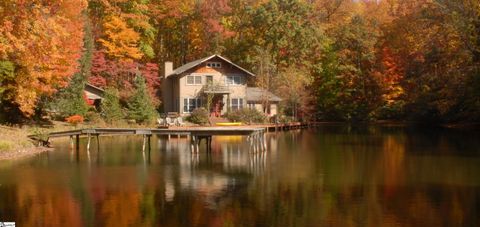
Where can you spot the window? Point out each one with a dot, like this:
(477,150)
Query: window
(194,80)
(214,65)
(237,104)
(234,80)
(189,104)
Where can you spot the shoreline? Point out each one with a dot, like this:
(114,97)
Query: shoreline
(23,153)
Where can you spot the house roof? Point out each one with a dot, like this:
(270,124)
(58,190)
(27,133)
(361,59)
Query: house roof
(192,64)
(257,94)
(93,92)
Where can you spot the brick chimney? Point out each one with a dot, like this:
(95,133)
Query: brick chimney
(168,68)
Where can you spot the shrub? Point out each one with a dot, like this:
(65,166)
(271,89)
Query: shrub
(199,116)
(246,115)
(93,117)
(285,119)
(74,120)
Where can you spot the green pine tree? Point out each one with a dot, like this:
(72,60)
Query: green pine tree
(140,105)
(111,110)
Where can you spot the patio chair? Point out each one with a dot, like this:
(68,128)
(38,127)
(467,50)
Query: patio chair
(161,121)
(180,121)
(169,121)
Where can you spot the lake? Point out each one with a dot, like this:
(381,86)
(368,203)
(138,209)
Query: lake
(333,175)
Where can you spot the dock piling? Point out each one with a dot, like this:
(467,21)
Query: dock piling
(77,142)
(88,143)
(71,142)
(98,142)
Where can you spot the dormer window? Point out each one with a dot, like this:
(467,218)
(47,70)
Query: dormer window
(214,65)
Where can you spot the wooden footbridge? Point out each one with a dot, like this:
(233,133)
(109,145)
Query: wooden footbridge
(255,135)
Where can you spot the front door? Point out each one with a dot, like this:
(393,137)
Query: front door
(217,106)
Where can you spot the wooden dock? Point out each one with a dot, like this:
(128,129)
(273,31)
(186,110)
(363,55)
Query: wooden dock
(255,135)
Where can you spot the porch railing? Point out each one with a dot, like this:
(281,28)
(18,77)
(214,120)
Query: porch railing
(216,89)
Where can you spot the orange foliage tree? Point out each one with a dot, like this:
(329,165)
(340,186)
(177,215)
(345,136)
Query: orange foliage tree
(43,41)
(120,41)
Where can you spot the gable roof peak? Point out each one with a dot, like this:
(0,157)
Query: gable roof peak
(195,63)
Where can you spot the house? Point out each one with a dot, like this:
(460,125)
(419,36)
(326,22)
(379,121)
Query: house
(216,82)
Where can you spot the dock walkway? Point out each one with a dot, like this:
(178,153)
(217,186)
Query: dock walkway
(255,135)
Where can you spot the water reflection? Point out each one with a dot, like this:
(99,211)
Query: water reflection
(333,176)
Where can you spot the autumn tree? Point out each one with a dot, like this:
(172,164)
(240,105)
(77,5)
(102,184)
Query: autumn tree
(299,99)
(43,42)
(71,100)
(125,36)
(120,41)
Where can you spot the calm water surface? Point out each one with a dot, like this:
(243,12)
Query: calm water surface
(330,176)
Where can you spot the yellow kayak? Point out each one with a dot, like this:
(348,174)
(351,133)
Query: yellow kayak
(229,124)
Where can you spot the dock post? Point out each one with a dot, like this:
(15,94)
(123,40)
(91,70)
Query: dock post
(255,143)
(264,142)
(144,141)
(252,142)
(197,144)
(98,142)
(71,142)
(260,145)
(88,143)
(77,142)
(169,136)
(191,144)
(209,143)
(149,144)
(259,139)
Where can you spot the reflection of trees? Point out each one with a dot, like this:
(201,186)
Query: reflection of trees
(39,204)
(120,208)
(338,177)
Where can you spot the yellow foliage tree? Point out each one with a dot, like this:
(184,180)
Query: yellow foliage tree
(120,41)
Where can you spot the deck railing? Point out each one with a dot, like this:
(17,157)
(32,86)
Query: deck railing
(216,88)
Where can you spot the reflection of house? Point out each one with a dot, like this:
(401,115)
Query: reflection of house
(213,78)
(94,94)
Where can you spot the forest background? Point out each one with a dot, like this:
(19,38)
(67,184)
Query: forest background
(337,60)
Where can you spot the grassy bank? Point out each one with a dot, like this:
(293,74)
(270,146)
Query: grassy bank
(14,143)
